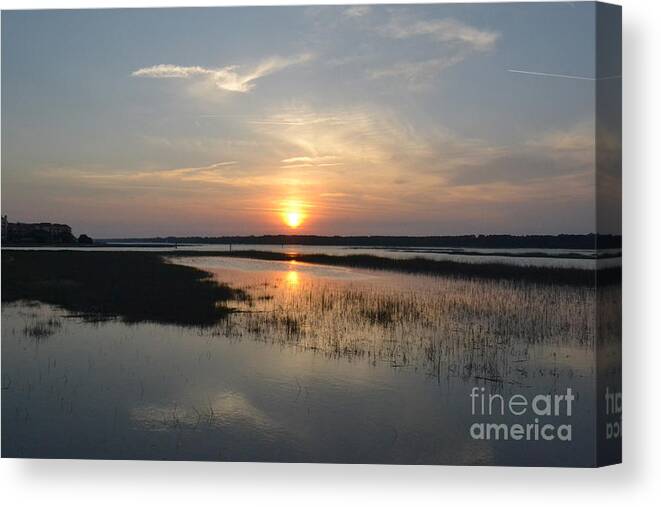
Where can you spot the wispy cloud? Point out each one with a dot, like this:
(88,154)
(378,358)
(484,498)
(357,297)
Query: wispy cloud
(232,78)
(213,173)
(307,161)
(446,30)
(172,71)
(453,42)
(356,11)
(417,73)
(351,135)
(545,157)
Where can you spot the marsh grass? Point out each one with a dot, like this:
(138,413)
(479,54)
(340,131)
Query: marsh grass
(547,275)
(446,326)
(482,329)
(134,286)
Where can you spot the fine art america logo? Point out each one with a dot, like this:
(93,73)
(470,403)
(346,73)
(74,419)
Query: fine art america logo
(613,414)
(535,418)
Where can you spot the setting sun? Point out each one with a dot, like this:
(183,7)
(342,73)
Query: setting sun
(293,219)
(292,213)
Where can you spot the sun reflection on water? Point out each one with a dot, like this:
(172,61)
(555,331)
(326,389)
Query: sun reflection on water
(293,277)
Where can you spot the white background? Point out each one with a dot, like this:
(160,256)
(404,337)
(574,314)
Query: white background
(637,481)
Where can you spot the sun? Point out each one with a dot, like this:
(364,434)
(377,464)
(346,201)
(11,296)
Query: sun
(292,214)
(293,219)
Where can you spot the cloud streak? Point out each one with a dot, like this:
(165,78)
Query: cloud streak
(446,30)
(453,42)
(565,76)
(357,11)
(307,161)
(231,78)
(417,73)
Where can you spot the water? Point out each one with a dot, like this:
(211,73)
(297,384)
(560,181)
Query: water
(520,256)
(324,364)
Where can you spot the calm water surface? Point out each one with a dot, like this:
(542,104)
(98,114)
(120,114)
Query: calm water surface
(323,364)
(519,256)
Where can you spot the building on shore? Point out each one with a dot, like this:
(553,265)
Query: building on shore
(42,232)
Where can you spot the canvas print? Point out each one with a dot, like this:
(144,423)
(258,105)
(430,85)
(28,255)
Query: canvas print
(383,234)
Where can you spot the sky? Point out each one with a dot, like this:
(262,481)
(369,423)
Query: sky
(416,120)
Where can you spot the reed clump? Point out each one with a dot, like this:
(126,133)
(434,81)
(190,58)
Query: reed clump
(40,329)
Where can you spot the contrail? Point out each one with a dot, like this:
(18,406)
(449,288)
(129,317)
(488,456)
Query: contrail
(566,76)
